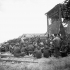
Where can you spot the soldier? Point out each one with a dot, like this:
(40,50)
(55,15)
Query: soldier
(68,50)
(46,52)
(30,48)
(2,48)
(64,50)
(37,53)
(23,50)
(51,49)
(16,51)
(41,44)
(56,43)
(11,48)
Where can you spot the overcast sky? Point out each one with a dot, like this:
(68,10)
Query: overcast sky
(18,17)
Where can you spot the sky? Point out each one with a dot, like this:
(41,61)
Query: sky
(19,17)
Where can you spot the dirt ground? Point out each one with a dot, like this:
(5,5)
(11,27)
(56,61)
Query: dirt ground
(43,64)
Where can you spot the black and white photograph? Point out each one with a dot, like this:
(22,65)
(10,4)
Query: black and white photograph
(34,34)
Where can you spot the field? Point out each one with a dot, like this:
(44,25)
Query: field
(51,63)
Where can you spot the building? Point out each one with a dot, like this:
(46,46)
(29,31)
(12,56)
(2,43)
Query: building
(54,19)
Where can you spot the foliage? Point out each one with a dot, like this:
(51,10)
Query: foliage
(66,10)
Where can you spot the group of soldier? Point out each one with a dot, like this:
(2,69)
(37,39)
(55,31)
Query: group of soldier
(55,45)
(52,46)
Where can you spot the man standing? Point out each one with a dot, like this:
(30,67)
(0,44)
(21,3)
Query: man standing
(56,43)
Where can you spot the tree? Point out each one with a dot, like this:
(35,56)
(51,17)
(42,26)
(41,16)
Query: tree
(66,9)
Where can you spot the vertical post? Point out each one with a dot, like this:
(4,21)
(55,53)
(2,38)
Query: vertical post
(60,20)
(47,25)
(60,14)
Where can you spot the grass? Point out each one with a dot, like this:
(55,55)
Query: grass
(44,64)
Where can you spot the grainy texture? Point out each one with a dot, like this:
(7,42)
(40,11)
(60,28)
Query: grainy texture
(43,64)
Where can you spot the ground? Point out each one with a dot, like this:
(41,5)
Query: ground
(51,63)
